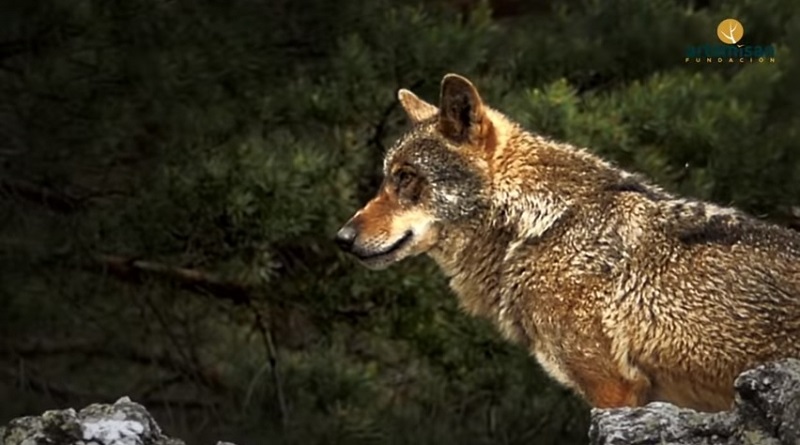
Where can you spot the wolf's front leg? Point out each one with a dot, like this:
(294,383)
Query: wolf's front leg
(604,387)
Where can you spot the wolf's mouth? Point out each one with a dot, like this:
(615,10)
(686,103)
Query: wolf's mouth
(390,250)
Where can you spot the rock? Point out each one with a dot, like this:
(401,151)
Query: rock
(766,412)
(123,423)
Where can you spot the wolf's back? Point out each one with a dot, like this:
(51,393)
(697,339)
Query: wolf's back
(707,293)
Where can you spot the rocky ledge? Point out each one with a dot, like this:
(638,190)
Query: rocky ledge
(767,412)
(123,423)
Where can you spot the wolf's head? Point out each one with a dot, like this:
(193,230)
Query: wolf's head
(435,177)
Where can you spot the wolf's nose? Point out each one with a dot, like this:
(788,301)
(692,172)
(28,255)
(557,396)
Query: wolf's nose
(346,236)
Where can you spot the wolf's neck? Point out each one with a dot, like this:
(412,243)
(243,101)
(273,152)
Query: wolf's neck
(473,261)
(475,258)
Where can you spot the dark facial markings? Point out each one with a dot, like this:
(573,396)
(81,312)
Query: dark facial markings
(408,185)
(404,176)
(425,170)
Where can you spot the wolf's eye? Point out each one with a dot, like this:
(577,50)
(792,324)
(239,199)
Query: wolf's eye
(408,185)
(403,178)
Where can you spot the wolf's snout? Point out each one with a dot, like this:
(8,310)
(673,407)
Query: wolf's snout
(346,236)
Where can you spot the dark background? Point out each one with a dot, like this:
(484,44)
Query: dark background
(172,174)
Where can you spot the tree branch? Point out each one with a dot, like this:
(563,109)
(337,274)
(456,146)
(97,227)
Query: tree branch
(91,349)
(272,357)
(66,394)
(134,270)
(131,269)
(56,201)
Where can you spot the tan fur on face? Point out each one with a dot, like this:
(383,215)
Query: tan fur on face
(384,221)
(421,223)
(374,221)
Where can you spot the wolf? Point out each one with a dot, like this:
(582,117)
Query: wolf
(623,292)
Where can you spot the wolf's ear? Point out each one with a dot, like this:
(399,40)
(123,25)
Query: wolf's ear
(417,109)
(463,115)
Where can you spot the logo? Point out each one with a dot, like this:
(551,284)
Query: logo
(730,32)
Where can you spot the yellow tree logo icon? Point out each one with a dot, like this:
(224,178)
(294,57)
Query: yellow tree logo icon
(730,31)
